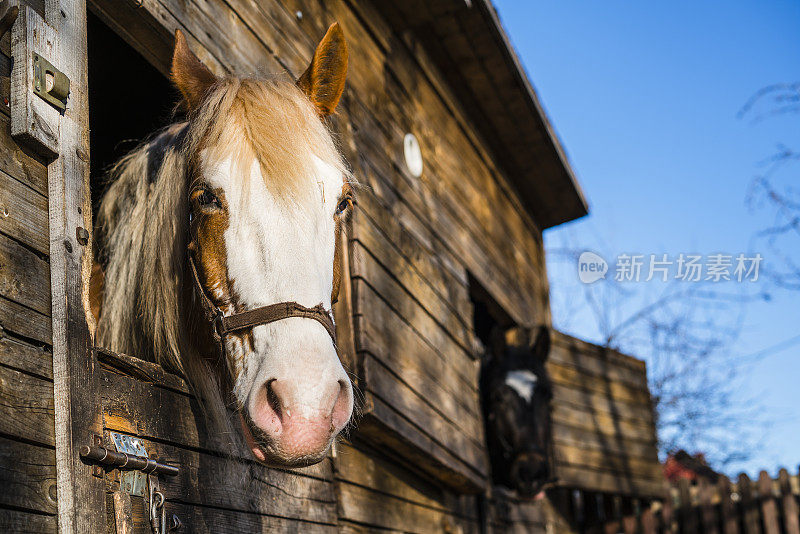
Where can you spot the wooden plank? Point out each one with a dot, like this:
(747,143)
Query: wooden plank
(24,276)
(564,435)
(27,407)
(204,520)
(26,523)
(597,403)
(582,353)
(409,296)
(367,507)
(28,477)
(748,505)
(727,508)
(22,356)
(384,334)
(769,506)
(572,377)
(383,426)
(687,513)
(433,335)
(581,477)
(23,214)
(791,514)
(637,429)
(596,362)
(367,468)
(708,514)
(419,247)
(465,442)
(431,297)
(24,322)
(601,460)
(141,370)
(242,485)
(19,165)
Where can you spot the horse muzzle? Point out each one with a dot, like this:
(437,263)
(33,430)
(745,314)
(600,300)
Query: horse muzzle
(284,427)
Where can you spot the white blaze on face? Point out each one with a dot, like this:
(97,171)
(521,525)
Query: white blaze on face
(279,251)
(523,381)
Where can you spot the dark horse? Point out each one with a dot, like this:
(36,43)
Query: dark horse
(517,391)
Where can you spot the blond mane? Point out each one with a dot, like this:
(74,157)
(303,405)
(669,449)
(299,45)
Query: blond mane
(149,308)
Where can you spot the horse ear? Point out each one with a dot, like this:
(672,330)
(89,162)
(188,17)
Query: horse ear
(190,76)
(323,80)
(541,347)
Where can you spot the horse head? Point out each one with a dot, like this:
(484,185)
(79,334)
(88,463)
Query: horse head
(268,193)
(516,400)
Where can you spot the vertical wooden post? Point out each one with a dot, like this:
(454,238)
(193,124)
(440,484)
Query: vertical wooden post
(708,513)
(611,513)
(628,515)
(687,513)
(769,508)
(81,498)
(751,523)
(791,516)
(727,508)
(647,518)
(668,513)
(591,511)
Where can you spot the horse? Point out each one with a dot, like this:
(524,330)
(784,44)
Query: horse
(219,244)
(516,396)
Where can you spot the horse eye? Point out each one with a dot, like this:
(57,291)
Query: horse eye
(206,198)
(344,205)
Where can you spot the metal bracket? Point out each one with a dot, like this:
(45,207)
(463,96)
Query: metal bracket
(50,83)
(132,482)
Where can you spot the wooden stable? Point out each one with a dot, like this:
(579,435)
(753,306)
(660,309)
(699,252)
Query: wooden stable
(433,261)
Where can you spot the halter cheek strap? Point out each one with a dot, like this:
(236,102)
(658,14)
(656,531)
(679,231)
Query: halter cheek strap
(224,325)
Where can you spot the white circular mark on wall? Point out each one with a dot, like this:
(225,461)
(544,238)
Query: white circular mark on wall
(413,155)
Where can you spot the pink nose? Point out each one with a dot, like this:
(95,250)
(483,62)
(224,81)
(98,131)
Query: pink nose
(296,426)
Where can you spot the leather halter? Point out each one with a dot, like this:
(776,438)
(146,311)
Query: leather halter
(222,325)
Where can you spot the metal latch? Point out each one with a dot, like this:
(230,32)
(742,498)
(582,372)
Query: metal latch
(131,458)
(50,83)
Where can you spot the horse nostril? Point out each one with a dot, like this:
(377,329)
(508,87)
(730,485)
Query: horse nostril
(273,400)
(342,407)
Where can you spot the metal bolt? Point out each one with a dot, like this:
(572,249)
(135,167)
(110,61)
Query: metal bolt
(298,14)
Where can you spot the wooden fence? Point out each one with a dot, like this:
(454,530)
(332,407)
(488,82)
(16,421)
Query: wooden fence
(743,506)
(765,505)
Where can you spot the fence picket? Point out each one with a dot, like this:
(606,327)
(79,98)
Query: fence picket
(749,506)
(687,513)
(789,504)
(769,508)
(708,512)
(727,508)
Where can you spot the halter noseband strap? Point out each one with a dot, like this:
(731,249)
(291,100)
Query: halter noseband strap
(224,325)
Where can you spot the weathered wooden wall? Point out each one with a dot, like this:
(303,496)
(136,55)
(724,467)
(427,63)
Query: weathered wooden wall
(603,422)
(27,435)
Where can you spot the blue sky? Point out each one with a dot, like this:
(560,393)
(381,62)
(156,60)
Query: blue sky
(644,97)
